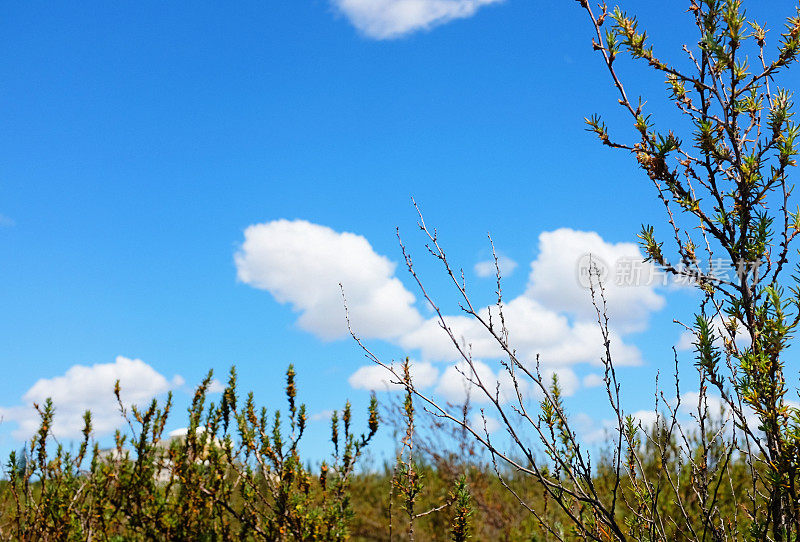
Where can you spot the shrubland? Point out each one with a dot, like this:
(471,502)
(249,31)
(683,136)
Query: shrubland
(722,174)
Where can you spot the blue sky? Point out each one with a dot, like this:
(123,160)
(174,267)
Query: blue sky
(141,140)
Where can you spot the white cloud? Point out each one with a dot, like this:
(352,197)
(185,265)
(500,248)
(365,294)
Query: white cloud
(487,268)
(302,264)
(556,281)
(554,317)
(6,221)
(456,384)
(690,401)
(590,430)
(718,410)
(183,431)
(482,423)
(215,386)
(386,19)
(91,388)
(532,329)
(647,419)
(322,415)
(595,431)
(455,388)
(686,341)
(377,378)
(567,380)
(593,380)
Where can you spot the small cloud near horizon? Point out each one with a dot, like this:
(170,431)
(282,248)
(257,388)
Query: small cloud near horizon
(88,387)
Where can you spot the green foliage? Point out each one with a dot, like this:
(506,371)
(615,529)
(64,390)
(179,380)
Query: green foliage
(462,504)
(730,186)
(235,475)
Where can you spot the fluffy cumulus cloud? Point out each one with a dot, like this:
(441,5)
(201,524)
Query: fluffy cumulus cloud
(88,387)
(532,330)
(590,430)
(458,384)
(377,378)
(387,19)
(691,402)
(559,277)
(552,320)
(302,264)
(595,431)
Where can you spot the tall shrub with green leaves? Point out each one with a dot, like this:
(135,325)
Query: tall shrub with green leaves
(722,173)
(724,179)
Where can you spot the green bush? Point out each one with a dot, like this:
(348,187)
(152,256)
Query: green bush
(236,475)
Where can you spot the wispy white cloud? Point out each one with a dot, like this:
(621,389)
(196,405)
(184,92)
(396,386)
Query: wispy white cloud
(6,221)
(387,19)
(85,387)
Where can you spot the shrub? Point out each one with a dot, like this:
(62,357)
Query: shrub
(723,178)
(235,475)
